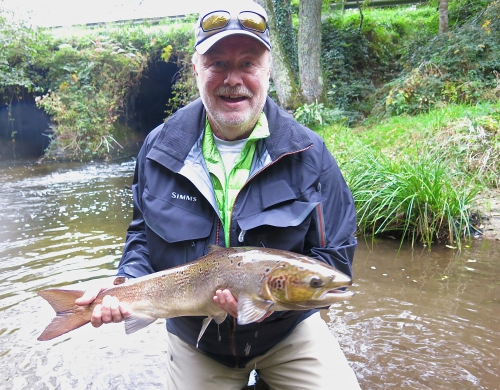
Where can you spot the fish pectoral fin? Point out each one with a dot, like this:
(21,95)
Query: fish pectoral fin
(135,322)
(252,310)
(220,318)
(204,327)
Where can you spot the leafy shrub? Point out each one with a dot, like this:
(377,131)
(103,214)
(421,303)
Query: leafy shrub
(346,64)
(92,83)
(22,47)
(458,67)
(358,62)
(316,114)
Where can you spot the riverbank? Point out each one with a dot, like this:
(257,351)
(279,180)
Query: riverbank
(488,205)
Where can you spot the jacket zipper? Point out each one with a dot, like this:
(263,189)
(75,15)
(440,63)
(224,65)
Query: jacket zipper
(242,235)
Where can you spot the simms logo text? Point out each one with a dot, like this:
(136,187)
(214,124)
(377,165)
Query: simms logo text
(175,195)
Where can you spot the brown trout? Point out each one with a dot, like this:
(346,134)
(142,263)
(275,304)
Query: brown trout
(261,279)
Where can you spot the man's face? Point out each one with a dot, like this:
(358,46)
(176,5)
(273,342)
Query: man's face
(233,80)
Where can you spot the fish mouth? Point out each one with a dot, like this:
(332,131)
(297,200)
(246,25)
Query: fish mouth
(338,293)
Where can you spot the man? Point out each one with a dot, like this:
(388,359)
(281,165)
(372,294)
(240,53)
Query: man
(233,169)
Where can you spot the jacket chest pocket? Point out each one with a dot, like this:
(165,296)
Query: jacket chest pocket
(281,220)
(178,217)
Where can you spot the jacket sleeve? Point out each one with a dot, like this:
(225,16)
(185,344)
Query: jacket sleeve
(335,219)
(135,258)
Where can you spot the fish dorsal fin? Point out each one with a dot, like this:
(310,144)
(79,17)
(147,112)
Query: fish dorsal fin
(134,322)
(252,310)
(214,248)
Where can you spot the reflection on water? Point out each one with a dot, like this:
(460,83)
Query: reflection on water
(423,320)
(418,319)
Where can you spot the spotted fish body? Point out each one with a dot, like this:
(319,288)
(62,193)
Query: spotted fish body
(261,279)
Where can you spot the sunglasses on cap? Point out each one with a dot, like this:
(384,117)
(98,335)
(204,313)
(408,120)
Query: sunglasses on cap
(218,20)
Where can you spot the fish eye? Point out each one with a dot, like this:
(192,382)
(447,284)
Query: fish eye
(316,282)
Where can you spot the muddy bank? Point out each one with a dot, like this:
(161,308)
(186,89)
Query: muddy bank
(488,205)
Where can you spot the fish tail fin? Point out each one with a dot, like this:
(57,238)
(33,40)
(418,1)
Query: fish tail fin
(69,316)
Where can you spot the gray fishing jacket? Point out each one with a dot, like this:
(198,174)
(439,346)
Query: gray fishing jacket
(294,199)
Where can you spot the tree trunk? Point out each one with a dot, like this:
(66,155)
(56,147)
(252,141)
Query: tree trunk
(443,16)
(281,72)
(309,50)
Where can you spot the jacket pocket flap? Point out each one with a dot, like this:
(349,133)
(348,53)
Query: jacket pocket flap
(275,193)
(290,214)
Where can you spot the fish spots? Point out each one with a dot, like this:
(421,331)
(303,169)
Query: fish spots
(239,264)
(267,270)
(278,282)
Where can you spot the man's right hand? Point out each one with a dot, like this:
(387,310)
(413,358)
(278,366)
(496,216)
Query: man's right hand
(109,310)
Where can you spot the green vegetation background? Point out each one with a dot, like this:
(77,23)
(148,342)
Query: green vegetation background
(412,117)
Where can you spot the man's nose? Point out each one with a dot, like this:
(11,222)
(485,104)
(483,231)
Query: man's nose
(233,77)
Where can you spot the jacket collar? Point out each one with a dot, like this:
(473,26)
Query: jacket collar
(287,135)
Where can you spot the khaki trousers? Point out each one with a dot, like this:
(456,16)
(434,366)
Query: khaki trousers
(310,358)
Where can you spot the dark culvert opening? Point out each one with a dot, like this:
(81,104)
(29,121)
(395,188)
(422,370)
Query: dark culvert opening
(24,131)
(151,101)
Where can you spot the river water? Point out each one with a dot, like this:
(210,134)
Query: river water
(419,319)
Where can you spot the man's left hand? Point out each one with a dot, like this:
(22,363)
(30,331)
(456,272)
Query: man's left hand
(227,302)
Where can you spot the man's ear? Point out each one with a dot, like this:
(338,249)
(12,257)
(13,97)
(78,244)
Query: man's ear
(194,70)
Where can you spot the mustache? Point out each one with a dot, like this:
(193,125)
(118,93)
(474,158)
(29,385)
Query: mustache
(233,91)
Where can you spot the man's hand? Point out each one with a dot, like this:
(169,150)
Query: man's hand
(110,310)
(227,302)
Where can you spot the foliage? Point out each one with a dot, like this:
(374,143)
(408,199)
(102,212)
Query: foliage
(91,76)
(91,83)
(22,46)
(458,67)
(473,145)
(346,64)
(283,12)
(172,40)
(460,11)
(316,114)
(357,62)
(414,196)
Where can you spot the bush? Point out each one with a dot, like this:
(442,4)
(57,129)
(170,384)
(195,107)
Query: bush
(458,67)
(316,114)
(22,49)
(91,84)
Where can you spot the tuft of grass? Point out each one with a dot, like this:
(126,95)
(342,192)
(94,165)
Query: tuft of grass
(416,197)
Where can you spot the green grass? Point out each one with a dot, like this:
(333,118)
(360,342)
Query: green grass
(404,132)
(417,177)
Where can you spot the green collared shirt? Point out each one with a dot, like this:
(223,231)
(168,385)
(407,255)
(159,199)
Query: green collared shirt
(227,185)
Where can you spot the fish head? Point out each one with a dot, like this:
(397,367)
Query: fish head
(305,285)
